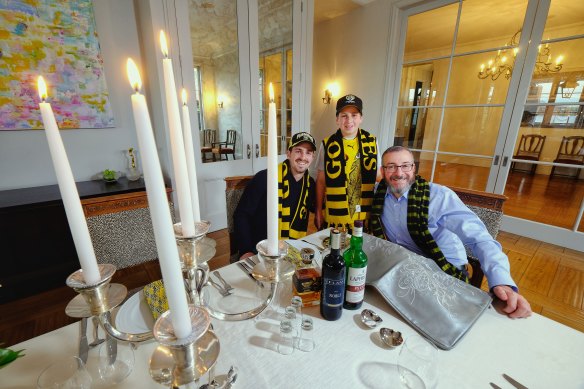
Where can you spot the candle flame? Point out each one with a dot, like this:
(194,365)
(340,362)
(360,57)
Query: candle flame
(133,75)
(559,59)
(271,92)
(42,87)
(163,45)
(184,96)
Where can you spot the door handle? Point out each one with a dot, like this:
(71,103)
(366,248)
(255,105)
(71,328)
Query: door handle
(248,151)
(496,161)
(505,159)
(257,150)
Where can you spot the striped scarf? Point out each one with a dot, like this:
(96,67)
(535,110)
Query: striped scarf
(418,203)
(337,203)
(292,226)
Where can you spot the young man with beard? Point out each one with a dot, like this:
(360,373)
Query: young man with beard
(296,198)
(430,219)
(347,169)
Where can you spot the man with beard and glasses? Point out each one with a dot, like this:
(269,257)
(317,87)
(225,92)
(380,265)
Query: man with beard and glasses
(295,199)
(348,166)
(429,219)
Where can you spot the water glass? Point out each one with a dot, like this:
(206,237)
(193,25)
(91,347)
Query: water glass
(297,304)
(306,339)
(115,366)
(286,345)
(417,363)
(67,372)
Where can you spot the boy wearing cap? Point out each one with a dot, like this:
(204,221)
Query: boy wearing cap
(295,198)
(347,169)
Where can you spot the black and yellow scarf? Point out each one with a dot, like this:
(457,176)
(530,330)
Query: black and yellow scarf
(418,203)
(292,226)
(337,204)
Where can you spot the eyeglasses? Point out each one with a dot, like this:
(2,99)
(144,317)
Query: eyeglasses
(406,167)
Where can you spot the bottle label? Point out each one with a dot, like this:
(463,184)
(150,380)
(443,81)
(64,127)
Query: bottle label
(334,290)
(356,284)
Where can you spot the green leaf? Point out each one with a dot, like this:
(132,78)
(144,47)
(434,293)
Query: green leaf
(7,355)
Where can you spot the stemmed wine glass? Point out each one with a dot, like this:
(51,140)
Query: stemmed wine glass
(417,363)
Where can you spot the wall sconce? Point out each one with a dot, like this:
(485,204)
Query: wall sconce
(220,101)
(327,96)
(330,91)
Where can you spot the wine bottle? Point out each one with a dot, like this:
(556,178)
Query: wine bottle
(356,263)
(333,280)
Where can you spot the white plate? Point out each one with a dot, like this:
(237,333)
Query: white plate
(134,316)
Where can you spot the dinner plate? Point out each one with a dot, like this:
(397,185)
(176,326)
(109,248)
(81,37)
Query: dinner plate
(134,316)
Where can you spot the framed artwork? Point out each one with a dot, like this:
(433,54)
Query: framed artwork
(58,40)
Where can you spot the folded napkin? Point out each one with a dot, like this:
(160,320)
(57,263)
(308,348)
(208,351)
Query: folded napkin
(440,307)
(156,298)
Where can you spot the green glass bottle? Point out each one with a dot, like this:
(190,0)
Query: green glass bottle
(356,263)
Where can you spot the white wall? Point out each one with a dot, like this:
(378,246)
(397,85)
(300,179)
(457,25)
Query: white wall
(24,155)
(351,50)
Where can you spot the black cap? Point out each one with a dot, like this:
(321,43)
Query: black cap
(301,137)
(349,101)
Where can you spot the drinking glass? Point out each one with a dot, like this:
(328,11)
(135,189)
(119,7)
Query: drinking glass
(417,363)
(286,345)
(306,339)
(290,314)
(115,366)
(67,372)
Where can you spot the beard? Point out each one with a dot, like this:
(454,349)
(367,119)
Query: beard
(402,189)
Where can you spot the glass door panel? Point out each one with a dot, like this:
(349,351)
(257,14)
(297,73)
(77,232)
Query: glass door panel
(546,184)
(417,127)
(429,34)
(466,87)
(416,87)
(484,24)
(275,61)
(469,130)
(214,45)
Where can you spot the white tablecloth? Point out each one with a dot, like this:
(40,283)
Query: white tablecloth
(537,352)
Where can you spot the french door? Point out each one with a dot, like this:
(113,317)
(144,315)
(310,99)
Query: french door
(475,76)
(237,48)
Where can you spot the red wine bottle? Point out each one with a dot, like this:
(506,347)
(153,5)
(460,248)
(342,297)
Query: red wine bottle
(333,280)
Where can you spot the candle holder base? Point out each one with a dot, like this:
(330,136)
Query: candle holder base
(272,268)
(194,250)
(180,361)
(78,307)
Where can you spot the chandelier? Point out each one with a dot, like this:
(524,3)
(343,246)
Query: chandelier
(503,63)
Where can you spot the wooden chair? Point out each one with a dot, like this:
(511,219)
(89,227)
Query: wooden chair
(207,145)
(489,208)
(571,151)
(529,149)
(227,147)
(234,187)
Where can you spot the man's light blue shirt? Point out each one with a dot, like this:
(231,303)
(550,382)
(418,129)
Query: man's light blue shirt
(453,227)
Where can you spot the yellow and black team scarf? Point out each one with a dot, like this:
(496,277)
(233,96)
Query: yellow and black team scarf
(418,203)
(337,204)
(292,226)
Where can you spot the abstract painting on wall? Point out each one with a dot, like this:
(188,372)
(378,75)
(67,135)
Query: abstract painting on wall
(58,40)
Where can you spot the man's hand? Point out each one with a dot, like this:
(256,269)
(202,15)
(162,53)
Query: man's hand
(516,306)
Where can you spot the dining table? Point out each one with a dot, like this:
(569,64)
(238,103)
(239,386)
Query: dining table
(536,352)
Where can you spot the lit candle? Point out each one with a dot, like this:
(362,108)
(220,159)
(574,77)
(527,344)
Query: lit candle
(179,161)
(482,67)
(190,155)
(69,194)
(559,59)
(273,235)
(159,211)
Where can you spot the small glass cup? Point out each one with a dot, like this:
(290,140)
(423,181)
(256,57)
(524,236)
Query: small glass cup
(417,363)
(69,372)
(290,314)
(306,339)
(286,345)
(115,363)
